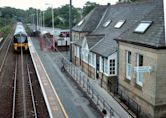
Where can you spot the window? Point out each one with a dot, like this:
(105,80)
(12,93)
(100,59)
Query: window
(101,64)
(106,23)
(112,67)
(128,65)
(119,24)
(90,58)
(105,66)
(143,26)
(80,23)
(85,55)
(93,59)
(139,75)
(75,50)
(78,51)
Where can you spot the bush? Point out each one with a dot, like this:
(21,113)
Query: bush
(5,31)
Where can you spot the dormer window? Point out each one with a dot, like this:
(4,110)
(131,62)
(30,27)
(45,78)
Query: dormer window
(143,26)
(80,23)
(106,23)
(119,24)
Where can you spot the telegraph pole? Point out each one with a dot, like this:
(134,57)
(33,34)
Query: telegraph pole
(70,27)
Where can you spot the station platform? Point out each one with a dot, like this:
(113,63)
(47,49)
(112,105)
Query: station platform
(52,100)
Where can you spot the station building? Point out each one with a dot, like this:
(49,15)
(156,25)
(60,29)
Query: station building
(125,50)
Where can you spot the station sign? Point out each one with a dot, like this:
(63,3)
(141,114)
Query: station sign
(143,69)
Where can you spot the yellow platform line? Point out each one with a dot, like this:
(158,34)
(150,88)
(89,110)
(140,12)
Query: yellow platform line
(61,105)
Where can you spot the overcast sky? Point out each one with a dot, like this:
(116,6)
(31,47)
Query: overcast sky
(25,4)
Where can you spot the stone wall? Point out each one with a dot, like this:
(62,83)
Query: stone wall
(153,89)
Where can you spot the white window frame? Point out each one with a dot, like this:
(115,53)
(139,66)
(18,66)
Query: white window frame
(94,60)
(105,66)
(119,24)
(77,52)
(128,65)
(139,75)
(143,26)
(85,55)
(112,66)
(80,23)
(106,23)
(90,58)
(101,64)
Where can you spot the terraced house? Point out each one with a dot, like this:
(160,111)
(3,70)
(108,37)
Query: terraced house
(126,51)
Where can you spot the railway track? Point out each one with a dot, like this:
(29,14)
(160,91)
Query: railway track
(23,97)
(4,49)
(14,69)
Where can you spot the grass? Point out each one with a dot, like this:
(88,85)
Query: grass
(5,30)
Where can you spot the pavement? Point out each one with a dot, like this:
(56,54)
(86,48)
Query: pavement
(75,102)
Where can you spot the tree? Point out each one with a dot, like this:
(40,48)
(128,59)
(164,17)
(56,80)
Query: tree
(88,7)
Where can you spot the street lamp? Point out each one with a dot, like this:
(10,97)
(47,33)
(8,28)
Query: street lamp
(43,21)
(37,19)
(33,19)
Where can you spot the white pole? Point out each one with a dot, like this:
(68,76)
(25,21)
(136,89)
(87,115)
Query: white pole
(33,19)
(43,21)
(37,18)
(52,18)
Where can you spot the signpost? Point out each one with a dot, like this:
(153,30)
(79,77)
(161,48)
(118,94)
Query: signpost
(143,69)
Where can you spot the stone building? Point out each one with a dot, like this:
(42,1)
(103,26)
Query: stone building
(138,27)
(102,52)
(142,55)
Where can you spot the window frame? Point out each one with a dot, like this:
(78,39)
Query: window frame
(128,65)
(107,23)
(112,67)
(139,75)
(119,24)
(81,22)
(139,28)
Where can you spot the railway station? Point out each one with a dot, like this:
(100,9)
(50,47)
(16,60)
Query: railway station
(105,61)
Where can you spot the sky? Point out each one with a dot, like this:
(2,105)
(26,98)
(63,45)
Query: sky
(43,4)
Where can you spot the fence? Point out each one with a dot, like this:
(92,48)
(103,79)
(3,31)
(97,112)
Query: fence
(84,82)
(132,105)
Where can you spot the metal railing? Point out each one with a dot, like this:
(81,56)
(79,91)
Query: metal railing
(86,85)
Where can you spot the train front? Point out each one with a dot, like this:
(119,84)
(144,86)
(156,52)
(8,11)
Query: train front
(20,39)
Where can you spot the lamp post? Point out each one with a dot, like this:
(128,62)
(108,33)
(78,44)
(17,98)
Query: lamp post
(43,21)
(33,18)
(36,19)
(70,27)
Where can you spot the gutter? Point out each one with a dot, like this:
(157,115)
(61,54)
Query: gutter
(141,44)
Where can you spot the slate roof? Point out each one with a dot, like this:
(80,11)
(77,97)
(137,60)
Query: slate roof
(91,20)
(91,40)
(79,42)
(154,37)
(131,12)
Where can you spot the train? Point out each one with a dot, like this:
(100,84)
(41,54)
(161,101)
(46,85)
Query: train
(20,38)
